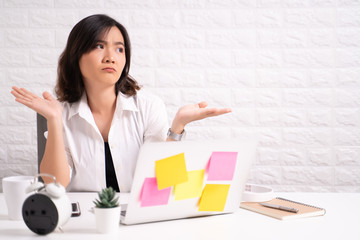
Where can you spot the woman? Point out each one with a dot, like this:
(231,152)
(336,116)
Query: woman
(100,117)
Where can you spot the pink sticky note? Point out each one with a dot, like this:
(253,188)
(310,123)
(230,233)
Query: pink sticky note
(150,194)
(222,166)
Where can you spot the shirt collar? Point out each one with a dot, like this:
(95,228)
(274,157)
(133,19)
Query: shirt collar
(126,103)
(80,107)
(123,103)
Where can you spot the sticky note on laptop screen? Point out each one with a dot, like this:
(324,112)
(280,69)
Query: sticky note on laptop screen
(192,188)
(150,194)
(171,171)
(213,198)
(222,166)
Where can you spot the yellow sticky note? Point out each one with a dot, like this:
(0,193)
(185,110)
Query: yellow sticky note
(214,197)
(192,188)
(171,171)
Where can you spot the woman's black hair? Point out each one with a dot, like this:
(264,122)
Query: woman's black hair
(82,38)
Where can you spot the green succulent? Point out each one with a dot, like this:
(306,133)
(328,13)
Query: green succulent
(106,198)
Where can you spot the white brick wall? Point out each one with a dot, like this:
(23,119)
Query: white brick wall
(289,69)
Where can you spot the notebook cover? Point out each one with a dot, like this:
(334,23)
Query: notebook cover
(305,210)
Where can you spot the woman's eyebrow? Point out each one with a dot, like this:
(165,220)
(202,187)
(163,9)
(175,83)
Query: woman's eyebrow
(105,42)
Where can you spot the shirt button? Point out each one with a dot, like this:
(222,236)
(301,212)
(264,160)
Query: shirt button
(112,146)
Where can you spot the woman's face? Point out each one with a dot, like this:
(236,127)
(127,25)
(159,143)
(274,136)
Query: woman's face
(103,65)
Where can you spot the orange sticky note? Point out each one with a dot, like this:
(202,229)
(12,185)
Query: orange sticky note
(214,197)
(192,188)
(171,171)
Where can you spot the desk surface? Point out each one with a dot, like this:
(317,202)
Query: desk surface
(342,221)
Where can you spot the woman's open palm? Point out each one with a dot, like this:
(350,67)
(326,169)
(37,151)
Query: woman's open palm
(47,106)
(194,112)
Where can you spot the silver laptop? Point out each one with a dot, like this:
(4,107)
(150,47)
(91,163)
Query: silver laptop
(175,180)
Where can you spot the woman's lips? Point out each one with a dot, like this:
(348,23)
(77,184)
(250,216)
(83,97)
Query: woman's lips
(109,69)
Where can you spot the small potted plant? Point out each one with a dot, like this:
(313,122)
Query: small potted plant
(107,211)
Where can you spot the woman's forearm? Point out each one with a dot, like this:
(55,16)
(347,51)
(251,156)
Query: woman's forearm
(54,161)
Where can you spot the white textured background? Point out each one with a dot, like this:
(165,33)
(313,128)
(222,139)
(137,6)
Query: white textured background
(289,69)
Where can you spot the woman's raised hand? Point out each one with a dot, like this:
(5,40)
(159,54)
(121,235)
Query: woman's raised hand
(47,106)
(194,112)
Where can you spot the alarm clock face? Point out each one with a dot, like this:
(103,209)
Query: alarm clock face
(40,214)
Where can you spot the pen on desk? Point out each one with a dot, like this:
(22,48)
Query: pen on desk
(288,209)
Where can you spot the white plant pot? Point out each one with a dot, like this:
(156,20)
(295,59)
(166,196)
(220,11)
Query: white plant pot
(107,219)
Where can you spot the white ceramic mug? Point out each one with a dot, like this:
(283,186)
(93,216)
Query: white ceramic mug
(14,191)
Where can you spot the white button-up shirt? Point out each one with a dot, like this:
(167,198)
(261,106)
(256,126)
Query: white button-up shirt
(136,119)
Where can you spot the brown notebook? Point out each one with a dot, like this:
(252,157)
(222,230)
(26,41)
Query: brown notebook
(305,210)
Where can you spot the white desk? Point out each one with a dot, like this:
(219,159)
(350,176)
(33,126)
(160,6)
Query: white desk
(342,221)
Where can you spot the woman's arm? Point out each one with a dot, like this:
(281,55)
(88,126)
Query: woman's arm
(193,112)
(54,160)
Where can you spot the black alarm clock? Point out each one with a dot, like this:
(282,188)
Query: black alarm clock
(48,208)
